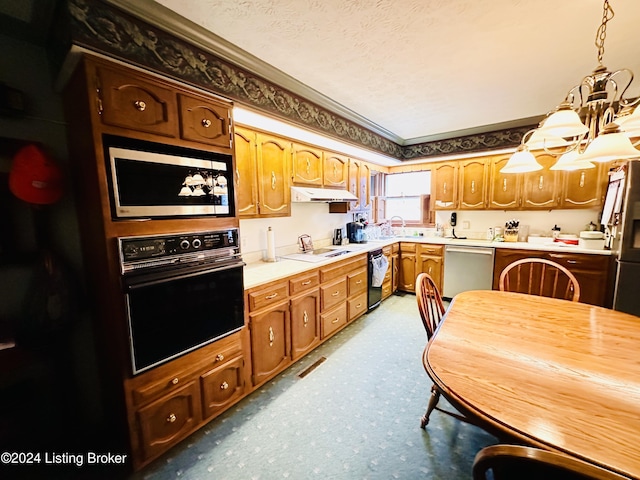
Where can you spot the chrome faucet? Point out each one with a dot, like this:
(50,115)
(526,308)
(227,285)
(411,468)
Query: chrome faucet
(403,232)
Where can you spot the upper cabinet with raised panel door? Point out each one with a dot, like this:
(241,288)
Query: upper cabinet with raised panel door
(205,121)
(444,186)
(134,101)
(262,174)
(274,187)
(359,183)
(307,165)
(474,178)
(504,188)
(584,188)
(541,188)
(365,186)
(336,168)
(246,175)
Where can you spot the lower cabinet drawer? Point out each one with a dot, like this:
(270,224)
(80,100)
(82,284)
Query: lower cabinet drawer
(386,289)
(334,320)
(221,386)
(169,419)
(357,306)
(333,294)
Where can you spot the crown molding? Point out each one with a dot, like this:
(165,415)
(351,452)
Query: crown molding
(161,17)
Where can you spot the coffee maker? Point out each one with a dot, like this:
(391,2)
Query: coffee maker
(355,232)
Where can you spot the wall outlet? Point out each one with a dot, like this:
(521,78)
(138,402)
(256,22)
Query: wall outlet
(466,225)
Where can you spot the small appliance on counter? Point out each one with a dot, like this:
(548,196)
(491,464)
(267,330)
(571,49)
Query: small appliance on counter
(338,236)
(355,232)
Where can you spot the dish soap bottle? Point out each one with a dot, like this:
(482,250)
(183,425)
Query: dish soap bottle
(555,231)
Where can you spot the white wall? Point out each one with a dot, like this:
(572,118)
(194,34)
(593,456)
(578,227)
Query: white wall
(540,222)
(311,218)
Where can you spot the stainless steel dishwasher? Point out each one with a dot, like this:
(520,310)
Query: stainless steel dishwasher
(467,268)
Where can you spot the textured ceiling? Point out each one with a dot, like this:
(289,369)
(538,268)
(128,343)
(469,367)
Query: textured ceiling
(428,68)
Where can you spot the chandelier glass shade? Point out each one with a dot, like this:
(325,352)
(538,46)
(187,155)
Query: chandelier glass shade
(594,123)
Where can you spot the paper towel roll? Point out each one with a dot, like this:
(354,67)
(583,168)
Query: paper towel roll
(271,246)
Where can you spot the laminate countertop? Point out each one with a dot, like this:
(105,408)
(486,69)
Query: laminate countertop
(260,273)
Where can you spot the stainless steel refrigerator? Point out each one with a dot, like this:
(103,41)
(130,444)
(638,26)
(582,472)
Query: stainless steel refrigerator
(621,215)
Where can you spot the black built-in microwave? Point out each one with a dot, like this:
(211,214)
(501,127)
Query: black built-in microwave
(150,180)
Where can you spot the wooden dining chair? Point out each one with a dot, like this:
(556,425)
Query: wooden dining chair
(539,276)
(518,462)
(432,311)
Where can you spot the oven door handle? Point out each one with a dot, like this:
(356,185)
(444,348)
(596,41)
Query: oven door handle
(164,277)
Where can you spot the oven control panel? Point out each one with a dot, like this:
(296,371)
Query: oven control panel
(134,249)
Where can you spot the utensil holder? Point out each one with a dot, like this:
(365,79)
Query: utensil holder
(511,235)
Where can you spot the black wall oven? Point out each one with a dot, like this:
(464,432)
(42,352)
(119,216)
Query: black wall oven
(182,292)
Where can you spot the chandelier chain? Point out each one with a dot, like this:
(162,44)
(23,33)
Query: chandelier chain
(601,34)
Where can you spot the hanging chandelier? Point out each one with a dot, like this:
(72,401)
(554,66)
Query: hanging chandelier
(593,124)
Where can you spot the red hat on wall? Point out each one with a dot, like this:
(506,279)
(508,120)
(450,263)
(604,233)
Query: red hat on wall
(34,177)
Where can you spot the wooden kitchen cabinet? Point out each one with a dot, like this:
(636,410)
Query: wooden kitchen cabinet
(395,264)
(305,315)
(307,165)
(246,175)
(222,386)
(204,120)
(541,189)
(504,188)
(407,267)
(592,271)
(262,174)
(444,186)
(359,184)
(343,293)
(274,188)
(169,419)
(167,403)
(335,171)
(584,188)
(474,178)
(270,341)
(430,259)
(132,100)
(387,282)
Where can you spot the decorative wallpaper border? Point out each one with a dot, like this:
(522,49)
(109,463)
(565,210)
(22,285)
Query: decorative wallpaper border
(100,27)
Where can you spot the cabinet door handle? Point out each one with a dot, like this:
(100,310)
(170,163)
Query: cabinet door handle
(358,282)
(171,418)
(273,295)
(272,337)
(224,386)
(541,182)
(308,166)
(573,262)
(359,305)
(140,105)
(336,320)
(206,123)
(444,187)
(335,170)
(582,179)
(473,186)
(308,282)
(273,180)
(175,381)
(305,318)
(219,357)
(336,293)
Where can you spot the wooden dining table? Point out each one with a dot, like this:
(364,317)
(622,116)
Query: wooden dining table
(560,375)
